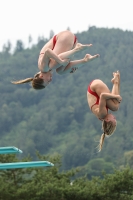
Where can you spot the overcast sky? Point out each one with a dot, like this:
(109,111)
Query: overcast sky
(21,18)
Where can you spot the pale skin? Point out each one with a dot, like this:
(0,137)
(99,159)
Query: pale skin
(108,98)
(60,57)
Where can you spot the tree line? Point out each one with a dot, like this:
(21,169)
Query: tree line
(57,119)
(50,183)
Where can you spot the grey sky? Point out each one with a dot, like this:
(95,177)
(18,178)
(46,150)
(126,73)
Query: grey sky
(21,18)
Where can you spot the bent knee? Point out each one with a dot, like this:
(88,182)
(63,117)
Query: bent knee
(115,108)
(47,50)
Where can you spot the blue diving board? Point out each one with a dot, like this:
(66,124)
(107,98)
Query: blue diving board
(25,164)
(7,150)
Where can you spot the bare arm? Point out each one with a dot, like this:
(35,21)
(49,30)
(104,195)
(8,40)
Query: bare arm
(102,103)
(49,54)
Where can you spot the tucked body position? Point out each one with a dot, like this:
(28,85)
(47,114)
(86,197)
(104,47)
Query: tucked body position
(101,100)
(57,55)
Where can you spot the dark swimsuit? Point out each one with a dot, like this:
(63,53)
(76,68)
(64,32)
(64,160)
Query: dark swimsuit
(94,94)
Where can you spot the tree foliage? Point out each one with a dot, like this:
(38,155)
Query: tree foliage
(58,119)
(52,184)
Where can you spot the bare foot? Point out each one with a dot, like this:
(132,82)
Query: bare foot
(118,73)
(116,78)
(89,57)
(80,47)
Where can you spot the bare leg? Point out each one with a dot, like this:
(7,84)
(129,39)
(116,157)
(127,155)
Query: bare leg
(114,104)
(69,54)
(79,47)
(76,64)
(45,58)
(116,83)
